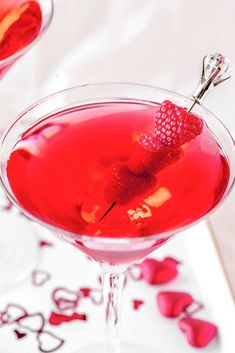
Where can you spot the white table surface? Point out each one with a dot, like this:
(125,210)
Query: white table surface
(148,41)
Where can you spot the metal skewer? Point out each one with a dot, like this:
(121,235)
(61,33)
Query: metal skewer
(215,70)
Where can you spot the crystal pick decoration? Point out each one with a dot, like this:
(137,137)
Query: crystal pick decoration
(215,69)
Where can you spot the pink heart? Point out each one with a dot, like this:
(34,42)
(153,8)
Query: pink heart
(157,272)
(40,277)
(172,304)
(199,333)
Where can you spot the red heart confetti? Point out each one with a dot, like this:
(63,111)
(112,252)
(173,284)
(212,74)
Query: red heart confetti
(137,303)
(85,292)
(199,333)
(19,335)
(172,304)
(65,299)
(33,322)
(57,318)
(95,294)
(48,342)
(44,243)
(40,277)
(158,272)
(12,313)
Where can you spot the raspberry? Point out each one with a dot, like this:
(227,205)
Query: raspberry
(122,185)
(174,126)
(150,142)
(148,155)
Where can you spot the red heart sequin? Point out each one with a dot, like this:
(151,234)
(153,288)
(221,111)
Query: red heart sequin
(172,304)
(199,333)
(40,277)
(137,303)
(157,272)
(57,318)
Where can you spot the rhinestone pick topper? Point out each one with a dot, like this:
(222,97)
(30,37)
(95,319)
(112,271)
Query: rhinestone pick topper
(215,69)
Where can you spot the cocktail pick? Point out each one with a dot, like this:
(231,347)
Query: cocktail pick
(215,70)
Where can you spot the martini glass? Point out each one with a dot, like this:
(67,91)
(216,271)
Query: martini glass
(22,24)
(97,232)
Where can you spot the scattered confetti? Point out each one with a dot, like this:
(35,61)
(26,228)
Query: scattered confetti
(19,335)
(57,318)
(44,243)
(40,277)
(137,303)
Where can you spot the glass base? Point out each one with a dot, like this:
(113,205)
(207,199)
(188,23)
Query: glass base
(124,348)
(18,249)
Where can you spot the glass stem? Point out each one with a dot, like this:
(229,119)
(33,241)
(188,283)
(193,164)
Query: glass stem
(113,278)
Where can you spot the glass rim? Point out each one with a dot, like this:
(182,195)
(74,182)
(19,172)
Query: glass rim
(43,30)
(113,239)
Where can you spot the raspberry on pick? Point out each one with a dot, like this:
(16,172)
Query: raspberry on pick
(174,126)
(148,155)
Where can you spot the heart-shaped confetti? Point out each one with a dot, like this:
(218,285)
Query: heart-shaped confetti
(48,342)
(95,294)
(158,272)
(13,313)
(19,335)
(44,243)
(172,303)
(199,333)
(137,303)
(65,299)
(33,323)
(40,277)
(57,318)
